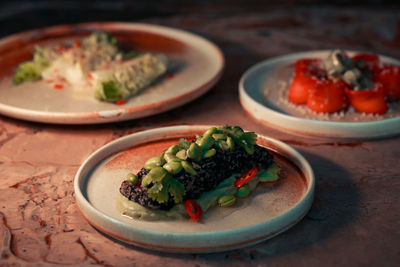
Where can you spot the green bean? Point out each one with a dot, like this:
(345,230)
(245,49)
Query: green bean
(172,149)
(222,144)
(210,153)
(188,167)
(206,142)
(219,136)
(230,142)
(133,179)
(154,162)
(210,132)
(194,151)
(170,157)
(181,154)
(226,201)
(173,167)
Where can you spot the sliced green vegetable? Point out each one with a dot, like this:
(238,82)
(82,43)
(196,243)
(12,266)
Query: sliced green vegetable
(270,174)
(243,191)
(29,71)
(110,90)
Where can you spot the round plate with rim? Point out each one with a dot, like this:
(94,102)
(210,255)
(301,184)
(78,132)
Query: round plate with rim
(195,65)
(262,90)
(266,212)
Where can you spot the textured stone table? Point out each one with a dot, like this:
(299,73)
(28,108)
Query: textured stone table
(355,217)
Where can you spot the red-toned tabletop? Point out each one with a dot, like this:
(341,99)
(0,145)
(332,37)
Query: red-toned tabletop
(354,220)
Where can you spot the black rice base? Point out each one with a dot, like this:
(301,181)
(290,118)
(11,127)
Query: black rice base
(210,172)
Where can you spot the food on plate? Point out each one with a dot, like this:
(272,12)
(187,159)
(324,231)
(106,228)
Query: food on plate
(333,84)
(96,61)
(190,177)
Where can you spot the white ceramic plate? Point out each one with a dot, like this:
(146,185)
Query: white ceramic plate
(262,88)
(195,66)
(267,212)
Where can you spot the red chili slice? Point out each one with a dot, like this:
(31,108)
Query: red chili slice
(242,180)
(58,86)
(120,102)
(193,209)
(77,44)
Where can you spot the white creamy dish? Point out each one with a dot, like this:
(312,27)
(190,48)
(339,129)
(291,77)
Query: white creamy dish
(96,61)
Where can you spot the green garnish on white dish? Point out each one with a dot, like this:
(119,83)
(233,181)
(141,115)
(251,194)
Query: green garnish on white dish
(95,61)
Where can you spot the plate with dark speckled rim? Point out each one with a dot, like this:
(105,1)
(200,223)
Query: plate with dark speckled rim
(195,66)
(263,94)
(266,212)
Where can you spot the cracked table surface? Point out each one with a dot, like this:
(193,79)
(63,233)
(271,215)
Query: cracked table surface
(354,219)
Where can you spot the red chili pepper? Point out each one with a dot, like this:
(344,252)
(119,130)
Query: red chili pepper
(58,86)
(193,209)
(120,102)
(242,180)
(77,44)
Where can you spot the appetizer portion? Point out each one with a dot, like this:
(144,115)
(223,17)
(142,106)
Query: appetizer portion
(190,177)
(95,61)
(339,81)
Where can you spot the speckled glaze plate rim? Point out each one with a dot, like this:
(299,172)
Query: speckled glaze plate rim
(311,127)
(120,114)
(200,242)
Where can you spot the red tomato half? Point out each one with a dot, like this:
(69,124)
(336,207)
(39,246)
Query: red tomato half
(368,101)
(306,76)
(328,96)
(389,77)
(300,87)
